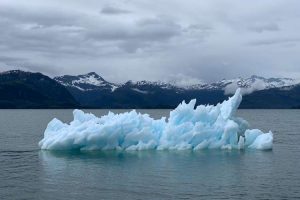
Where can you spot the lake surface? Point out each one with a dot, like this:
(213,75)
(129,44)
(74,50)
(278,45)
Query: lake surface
(28,173)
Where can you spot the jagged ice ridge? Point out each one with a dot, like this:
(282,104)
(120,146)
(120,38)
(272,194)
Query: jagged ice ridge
(203,127)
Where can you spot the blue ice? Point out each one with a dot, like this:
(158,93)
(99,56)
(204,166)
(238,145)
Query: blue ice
(203,127)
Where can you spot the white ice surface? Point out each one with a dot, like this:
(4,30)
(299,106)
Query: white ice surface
(203,127)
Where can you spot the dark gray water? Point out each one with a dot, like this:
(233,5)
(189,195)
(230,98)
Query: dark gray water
(28,173)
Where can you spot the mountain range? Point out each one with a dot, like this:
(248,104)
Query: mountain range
(21,89)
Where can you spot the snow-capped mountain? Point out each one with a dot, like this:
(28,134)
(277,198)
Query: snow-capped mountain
(248,85)
(86,82)
(93,81)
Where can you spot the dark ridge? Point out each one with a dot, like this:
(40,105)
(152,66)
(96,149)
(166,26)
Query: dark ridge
(21,89)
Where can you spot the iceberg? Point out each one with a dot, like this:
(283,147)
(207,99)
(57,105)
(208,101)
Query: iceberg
(187,128)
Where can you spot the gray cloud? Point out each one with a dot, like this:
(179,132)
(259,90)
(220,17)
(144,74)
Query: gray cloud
(11,60)
(42,18)
(140,39)
(8,63)
(260,28)
(109,10)
(274,41)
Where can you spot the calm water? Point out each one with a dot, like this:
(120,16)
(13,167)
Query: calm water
(28,173)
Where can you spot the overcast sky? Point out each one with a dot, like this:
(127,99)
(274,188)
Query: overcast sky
(151,39)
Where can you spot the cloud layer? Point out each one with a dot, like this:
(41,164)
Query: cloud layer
(139,39)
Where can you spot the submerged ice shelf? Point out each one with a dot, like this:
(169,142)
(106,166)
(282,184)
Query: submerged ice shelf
(212,127)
